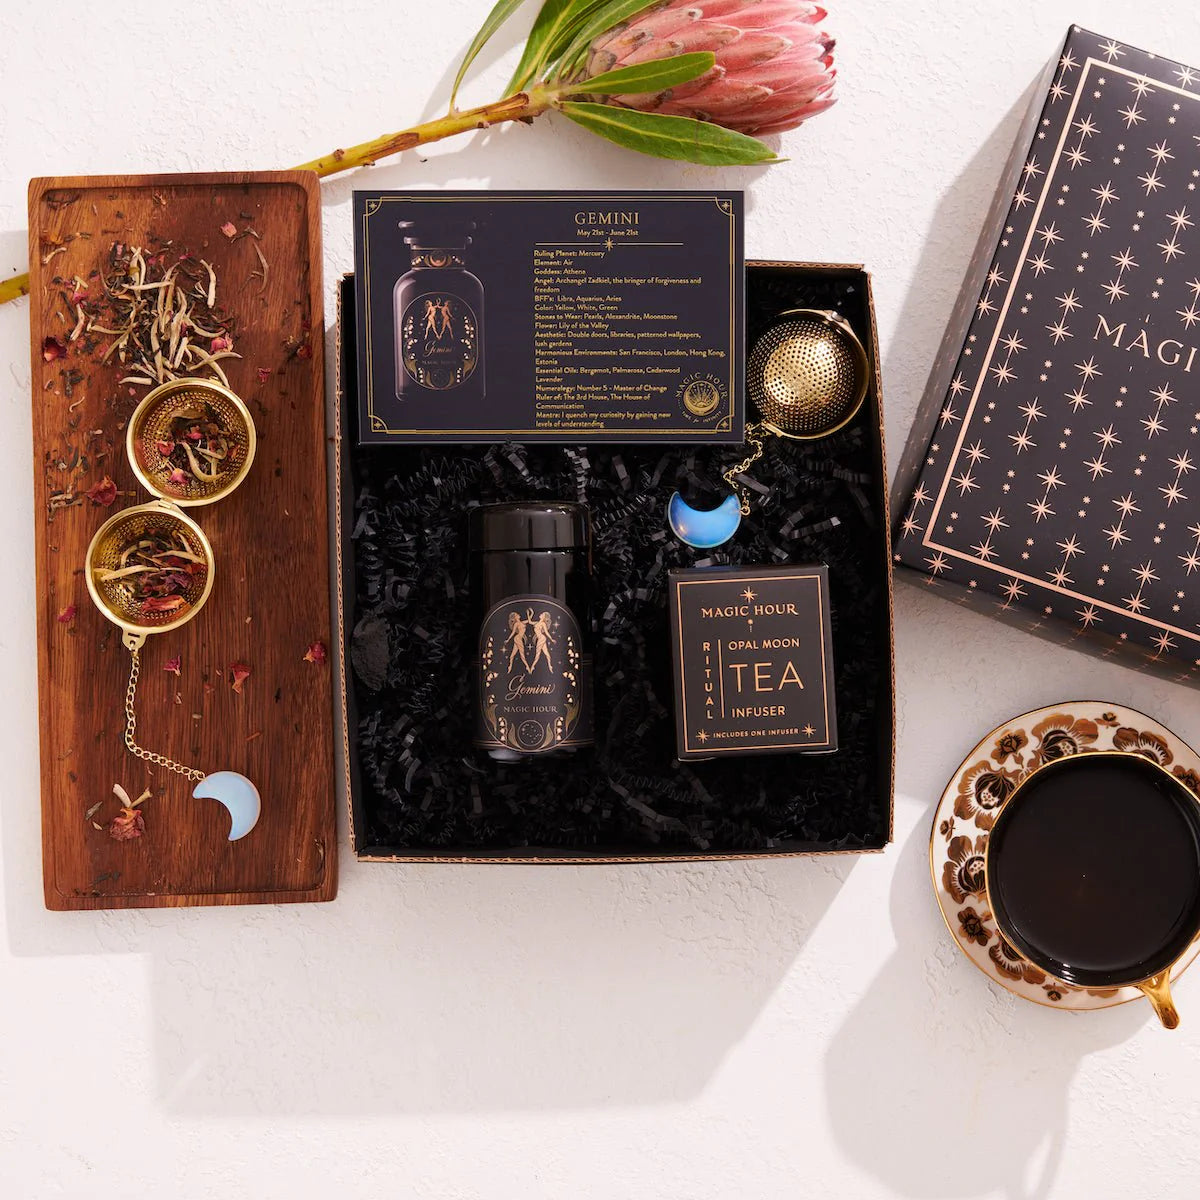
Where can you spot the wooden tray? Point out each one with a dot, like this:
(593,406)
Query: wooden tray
(270,599)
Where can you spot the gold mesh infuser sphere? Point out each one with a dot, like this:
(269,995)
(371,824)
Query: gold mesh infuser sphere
(116,598)
(154,424)
(807,374)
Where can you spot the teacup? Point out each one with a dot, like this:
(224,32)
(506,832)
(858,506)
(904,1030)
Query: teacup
(1093,873)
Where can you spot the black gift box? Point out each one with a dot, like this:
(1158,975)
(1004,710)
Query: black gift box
(1053,474)
(419,793)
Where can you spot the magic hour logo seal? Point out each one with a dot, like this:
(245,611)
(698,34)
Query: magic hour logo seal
(701,395)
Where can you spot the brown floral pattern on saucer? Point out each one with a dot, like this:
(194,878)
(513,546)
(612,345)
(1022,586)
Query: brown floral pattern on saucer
(968,809)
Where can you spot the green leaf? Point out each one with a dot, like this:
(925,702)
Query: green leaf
(601,20)
(556,24)
(500,13)
(653,76)
(669,137)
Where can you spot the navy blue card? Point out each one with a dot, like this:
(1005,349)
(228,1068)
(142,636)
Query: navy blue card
(557,317)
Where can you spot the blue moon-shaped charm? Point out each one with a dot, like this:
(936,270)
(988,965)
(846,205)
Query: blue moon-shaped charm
(238,795)
(702,528)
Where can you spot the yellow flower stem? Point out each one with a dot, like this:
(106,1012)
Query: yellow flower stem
(521,106)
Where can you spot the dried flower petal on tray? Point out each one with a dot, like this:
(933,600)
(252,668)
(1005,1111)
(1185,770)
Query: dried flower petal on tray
(316,653)
(103,493)
(173,665)
(238,674)
(159,568)
(66,614)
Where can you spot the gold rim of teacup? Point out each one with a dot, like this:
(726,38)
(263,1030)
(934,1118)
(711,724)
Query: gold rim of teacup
(163,393)
(1156,987)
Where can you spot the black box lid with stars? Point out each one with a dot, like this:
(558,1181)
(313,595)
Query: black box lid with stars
(753,661)
(1053,475)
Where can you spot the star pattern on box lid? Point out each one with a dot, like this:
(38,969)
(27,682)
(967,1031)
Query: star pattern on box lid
(1068,441)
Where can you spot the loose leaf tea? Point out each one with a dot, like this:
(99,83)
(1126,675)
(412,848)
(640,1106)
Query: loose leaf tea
(199,446)
(161,311)
(159,568)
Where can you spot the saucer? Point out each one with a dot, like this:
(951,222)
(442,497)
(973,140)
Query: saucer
(978,790)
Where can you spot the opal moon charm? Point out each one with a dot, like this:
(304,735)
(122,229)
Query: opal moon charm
(700,528)
(239,796)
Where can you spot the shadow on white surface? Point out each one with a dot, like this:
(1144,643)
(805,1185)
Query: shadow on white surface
(468,989)
(941,1084)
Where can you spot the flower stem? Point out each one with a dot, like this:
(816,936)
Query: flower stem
(521,106)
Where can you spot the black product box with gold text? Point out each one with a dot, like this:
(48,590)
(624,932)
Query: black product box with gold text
(753,658)
(540,316)
(1053,475)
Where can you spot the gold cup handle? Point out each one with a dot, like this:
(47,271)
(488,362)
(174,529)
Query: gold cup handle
(1157,990)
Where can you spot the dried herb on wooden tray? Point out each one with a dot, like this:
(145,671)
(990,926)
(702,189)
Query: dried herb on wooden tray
(159,568)
(160,309)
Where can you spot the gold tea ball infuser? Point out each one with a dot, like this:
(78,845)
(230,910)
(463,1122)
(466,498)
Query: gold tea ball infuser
(150,568)
(807,376)
(191,441)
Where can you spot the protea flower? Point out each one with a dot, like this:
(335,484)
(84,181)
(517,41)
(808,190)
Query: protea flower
(773,69)
(683,79)
(686,79)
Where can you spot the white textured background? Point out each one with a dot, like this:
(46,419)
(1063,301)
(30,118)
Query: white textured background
(795,1028)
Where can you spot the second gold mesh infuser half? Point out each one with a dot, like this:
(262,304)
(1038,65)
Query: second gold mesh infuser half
(149,569)
(807,375)
(191,441)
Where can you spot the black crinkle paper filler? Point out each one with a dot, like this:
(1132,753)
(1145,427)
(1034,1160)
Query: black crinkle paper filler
(423,786)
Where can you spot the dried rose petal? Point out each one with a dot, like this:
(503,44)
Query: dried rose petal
(67,615)
(178,476)
(306,350)
(103,493)
(127,825)
(52,348)
(316,653)
(220,343)
(164,448)
(239,673)
(264,373)
(162,604)
(174,664)
(229,229)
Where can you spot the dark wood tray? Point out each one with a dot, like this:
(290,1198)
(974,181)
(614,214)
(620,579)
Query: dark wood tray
(270,600)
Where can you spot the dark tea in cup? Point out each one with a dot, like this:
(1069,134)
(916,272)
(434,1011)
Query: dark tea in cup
(1093,872)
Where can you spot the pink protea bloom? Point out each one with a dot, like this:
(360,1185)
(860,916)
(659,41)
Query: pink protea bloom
(774,65)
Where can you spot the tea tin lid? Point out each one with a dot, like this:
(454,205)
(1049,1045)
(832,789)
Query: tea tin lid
(529,526)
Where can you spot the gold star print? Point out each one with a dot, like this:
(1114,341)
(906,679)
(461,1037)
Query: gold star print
(1069,301)
(1160,153)
(985,550)
(1087,616)
(1151,182)
(1125,260)
(1181,220)
(1163,642)
(938,563)
(1116,536)
(702,736)
(1070,548)
(1098,467)
(1095,223)
(1105,194)
(1088,369)
(1183,463)
(1172,493)
(995,520)
(1078,399)
(748,595)
(1186,76)
(1189,316)
(609,243)
(1170,249)
(1108,438)
(1127,505)
(1013,590)
(1132,116)
(1141,87)
(809,731)
(1146,574)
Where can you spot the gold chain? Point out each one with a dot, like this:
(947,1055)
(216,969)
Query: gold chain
(755,440)
(159,760)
